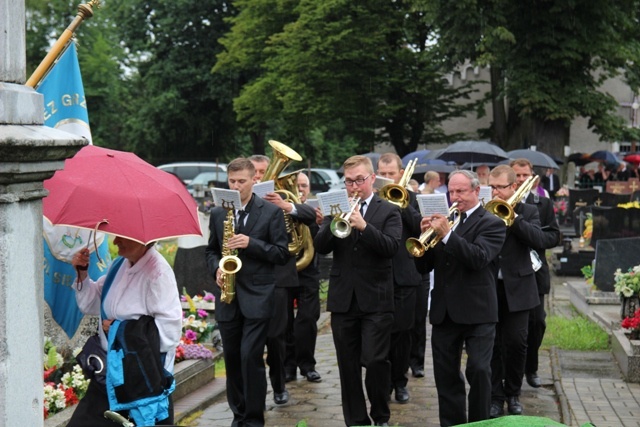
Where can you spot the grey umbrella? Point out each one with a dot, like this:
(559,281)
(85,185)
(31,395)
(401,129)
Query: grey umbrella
(473,152)
(537,158)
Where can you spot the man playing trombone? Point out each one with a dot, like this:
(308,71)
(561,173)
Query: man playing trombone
(464,307)
(361,294)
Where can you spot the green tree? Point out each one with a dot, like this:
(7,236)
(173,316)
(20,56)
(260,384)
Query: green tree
(180,111)
(548,59)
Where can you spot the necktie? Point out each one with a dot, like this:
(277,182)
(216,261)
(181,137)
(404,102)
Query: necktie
(363,205)
(242,214)
(463,217)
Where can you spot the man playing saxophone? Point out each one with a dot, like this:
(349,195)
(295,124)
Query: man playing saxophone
(261,242)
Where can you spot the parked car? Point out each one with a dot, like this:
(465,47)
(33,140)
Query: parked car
(186,171)
(329,176)
(201,184)
(318,183)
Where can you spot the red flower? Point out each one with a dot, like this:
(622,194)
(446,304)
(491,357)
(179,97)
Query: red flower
(48,372)
(70,396)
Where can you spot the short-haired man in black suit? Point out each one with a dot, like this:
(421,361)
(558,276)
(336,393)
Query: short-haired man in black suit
(405,282)
(549,224)
(464,306)
(517,295)
(261,241)
(361,295)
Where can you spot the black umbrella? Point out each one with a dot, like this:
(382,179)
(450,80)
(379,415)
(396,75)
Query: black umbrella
(537,158)
(473,152)
(580,159)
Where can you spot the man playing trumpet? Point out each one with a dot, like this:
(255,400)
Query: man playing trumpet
(361,295)
(464,308)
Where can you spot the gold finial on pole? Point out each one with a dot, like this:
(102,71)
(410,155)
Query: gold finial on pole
(85,11)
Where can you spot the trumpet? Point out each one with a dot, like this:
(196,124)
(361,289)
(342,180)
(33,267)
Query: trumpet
(505,210)
(398,193)
(340,225)
(429,239)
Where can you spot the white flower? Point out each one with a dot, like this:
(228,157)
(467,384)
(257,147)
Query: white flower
(627,291)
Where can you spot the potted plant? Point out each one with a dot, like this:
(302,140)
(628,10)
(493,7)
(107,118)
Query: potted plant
(632,325)
(627,287)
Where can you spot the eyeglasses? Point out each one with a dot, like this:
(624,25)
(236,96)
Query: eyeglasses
(500,187)
(359,181)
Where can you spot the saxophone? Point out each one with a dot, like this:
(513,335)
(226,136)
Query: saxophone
(229,264)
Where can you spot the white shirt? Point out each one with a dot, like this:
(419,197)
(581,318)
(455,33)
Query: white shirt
(146,288)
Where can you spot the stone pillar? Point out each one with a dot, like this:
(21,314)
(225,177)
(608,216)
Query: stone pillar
(29,154)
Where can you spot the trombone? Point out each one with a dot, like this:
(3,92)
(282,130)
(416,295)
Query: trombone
(398,193)
(506,210)
(429,239)
(340,225)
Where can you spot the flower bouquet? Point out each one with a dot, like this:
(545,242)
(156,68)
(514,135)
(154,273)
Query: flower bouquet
(61,389)
(560,208)
(627,286)
(632,324)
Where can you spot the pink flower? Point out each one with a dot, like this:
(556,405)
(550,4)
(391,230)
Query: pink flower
(202,313)
(190,335)
(209,297)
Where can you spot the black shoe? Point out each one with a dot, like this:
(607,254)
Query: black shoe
(289,376)
(514,406)
(418,373)
(533,380)
(313,376)
(496,410)
(402,394)
(281,398)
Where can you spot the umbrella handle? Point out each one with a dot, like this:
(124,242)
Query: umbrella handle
(93,233)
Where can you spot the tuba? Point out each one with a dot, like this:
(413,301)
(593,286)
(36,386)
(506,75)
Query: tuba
(340,225)
(300,241)
(229,264)
(505,210)
(429,239)
(398,193)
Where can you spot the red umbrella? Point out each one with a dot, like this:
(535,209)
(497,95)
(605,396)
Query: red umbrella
(139,201)
(632,158)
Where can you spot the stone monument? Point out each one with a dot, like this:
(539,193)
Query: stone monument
(29,154)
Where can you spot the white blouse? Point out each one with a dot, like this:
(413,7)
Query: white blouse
(146,288)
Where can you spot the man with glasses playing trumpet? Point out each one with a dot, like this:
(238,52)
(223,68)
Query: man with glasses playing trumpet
(516,287)
(361,294)
(464,307)
(406,278)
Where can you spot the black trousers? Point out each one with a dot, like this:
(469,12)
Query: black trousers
(404,299)
(362,340)
(91,408)
(509,351)
(244,341)
(302,328)
(537,328)
(447,341)
(419,331)
(276,342)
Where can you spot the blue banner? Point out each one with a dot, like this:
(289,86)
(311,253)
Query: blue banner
(65,106)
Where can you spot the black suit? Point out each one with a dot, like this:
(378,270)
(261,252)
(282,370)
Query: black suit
(517,295)
(549,181)
(406,280)
(537,315)
(361,304)
(464,310)
(286,279)
(245,321)
(302,329)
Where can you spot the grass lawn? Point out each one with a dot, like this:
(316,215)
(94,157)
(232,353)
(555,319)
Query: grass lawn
(576,333)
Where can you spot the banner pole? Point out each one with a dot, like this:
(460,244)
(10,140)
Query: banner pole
(85,11)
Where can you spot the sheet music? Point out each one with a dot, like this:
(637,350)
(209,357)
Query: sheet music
(314,203)
(432,204)
(381,182)
(334,202)
(228,199)
(485,194)
(262,188)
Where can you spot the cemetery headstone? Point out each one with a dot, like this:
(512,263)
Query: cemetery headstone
(579,217)
(612,254)
(614,223)
(612,199)
(582,197)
